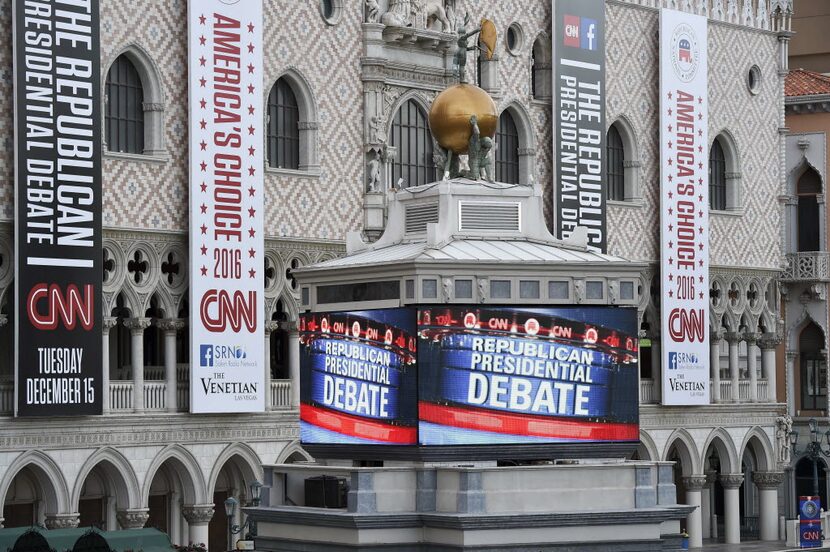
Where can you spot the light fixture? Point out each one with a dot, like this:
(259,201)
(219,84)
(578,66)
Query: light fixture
(256,488)
(230,506)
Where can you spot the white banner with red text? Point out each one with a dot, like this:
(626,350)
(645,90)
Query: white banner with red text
(227,353)
(684,208)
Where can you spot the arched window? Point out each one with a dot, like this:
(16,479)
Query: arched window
(540,74)
(125,108)
(120,343)
(808,189)
(283,127)
(507,150)
(153,338)
(413,140)
(615,163)
(717,177)
(813,368)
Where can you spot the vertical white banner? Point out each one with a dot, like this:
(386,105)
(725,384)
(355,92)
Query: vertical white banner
(227,355)
(684,208)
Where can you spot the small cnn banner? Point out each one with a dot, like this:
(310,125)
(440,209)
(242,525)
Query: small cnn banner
(227,355)
(684,208)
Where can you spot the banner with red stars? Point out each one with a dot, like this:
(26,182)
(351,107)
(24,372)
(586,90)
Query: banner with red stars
(227,354)
(684,208)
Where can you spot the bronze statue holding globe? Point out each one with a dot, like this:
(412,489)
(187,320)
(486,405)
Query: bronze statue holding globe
(463,117)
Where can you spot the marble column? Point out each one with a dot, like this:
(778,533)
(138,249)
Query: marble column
(751,339)
(62,521)
(198,516)
(294,363)
(789,382)
(731,483)
(109,323)
(769,344)
(694,522)
(768,483)
(170,327)
(706,506)
(133,518)
(176,517)
(270,327)
(657,368)
(734,340)
(137,327)
(714,363)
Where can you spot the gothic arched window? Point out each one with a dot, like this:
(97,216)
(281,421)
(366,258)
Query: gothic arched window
(125,108)
(717,177)
(615,163)
(507,150)
(413,140)
(283,127)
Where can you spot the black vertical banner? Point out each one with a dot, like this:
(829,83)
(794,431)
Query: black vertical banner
(58,252)
(579,119)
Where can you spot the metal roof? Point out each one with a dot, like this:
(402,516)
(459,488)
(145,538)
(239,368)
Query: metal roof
(470,250)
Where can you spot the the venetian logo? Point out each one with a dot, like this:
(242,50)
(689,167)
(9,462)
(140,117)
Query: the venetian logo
(685,52)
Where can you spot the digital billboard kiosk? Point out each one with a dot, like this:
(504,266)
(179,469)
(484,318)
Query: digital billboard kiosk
(444,382)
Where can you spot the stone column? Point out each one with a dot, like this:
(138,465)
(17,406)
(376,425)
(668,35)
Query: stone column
(176,517)
(170,327)
(2,520)
(694,522)
(657,368)
(731,483)
(198,516)
(270,327)
(714,363)
(751,339)
(768,483)
(769,343)
(137,327)
(734,340)
(706,507)
(133,518)
(788,380)
(109,323)
(62,521)
(294,363)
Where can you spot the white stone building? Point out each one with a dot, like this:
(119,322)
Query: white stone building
(348,89)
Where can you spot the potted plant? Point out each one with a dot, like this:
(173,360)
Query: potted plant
(192,547)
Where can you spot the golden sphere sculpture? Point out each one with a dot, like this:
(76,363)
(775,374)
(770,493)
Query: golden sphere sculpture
(449,116)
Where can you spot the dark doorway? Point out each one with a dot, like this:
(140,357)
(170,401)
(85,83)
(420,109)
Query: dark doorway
(159,514)
(92,512)
(218,528)
(19,515)
(808,188)
(804,480)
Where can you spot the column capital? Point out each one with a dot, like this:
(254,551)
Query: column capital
(768,479)
(199,514)
(696,482)
(137,325)
(290,327)
(791,355)
(4,319)
(770,341)
(752,338)
(270,326)
(171,325)
(733,337)
(731,480)
(109,323)
(716,335)
(133,518)
(711,477)
(62,521)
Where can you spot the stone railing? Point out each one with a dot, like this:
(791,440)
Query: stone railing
(647,391)
(6,396)
(280,394)
(811,266)
(648,395)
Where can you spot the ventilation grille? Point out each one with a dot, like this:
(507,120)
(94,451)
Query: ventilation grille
(418,216)
(502,217)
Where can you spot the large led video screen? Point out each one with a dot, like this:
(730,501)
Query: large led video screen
(510,375)
(358,378)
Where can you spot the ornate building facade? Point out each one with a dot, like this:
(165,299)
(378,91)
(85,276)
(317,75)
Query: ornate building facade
(348,88)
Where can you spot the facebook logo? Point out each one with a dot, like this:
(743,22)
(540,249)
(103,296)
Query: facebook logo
(672,361)
(589,30)
(206,356)
(581,32)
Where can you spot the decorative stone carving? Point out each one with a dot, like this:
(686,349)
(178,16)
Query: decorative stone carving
(482,290)
(783,428)
(375,169)
(109,323)
(731,480)
(270,327)
(372,11)
(3,320)
(770,341)
(767,480)
(398,13)
(198,514)
(137,325)
(172,325)
(695,482)
(62,521)
(733,337)
(447,289)
(133,518)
